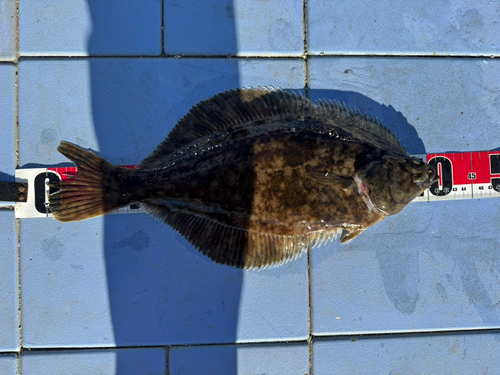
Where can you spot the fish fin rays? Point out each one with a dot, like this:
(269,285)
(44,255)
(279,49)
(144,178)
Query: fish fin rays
(234,109)
(86,194)
(224,111)
(237,247)
(357,118)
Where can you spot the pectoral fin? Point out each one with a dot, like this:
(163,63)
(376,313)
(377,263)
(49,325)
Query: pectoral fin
(332,179)
(350,234)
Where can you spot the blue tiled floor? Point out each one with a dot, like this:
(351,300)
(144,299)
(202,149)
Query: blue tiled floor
(433,276)
(240,359)
(125,294)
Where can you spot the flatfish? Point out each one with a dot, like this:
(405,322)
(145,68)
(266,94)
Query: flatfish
(255,177)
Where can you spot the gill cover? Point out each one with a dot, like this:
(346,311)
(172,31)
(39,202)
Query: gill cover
(394,182)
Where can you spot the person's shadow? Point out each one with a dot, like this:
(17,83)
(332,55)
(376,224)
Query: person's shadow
(160,294)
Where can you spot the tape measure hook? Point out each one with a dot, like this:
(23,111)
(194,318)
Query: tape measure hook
(13,191)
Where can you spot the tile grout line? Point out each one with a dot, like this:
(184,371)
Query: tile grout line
(310,336)
(16,89)
(17,161)
(163,54)
(161,346)
(341,336)
(167,360)
(303,55)
(20,347)
(309,286)
(162,37)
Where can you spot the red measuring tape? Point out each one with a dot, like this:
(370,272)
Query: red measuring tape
(462,175)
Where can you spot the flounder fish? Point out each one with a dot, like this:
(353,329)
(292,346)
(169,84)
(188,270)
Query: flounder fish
(254,177)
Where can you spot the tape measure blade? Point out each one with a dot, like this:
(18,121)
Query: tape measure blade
(463,175)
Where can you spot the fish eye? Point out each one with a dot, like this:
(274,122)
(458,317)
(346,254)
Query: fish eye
(413,160)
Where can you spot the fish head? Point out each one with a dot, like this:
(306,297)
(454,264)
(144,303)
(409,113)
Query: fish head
(388,185)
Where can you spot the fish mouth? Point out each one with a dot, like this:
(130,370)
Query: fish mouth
(366,198)
(426,176)
(433,176)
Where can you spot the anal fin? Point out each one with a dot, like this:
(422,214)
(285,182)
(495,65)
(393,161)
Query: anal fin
(237,247)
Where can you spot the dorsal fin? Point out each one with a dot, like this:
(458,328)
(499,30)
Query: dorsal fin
(355,117)
(224,111)
(238,247)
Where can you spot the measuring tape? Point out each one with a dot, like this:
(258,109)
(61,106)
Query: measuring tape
(37,202)
(462,175)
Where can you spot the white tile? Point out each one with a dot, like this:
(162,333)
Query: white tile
(405,27)
(76,28)
(215,27)
(9,284)
(7,120)
(428,354)
(106,362)
(8,364)
(7,30)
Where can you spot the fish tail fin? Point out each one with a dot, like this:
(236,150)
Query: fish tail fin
(94,191)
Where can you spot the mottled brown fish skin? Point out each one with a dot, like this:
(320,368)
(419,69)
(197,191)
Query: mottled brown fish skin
(261,183)
(287,201)
(256,177)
